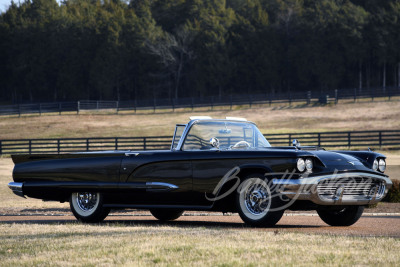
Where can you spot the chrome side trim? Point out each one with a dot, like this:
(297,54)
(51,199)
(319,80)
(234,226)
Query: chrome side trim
(129,154)
(160,186)
(17,188)
(316,179)
(307,189)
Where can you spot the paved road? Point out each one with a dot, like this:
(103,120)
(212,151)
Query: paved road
(367,226)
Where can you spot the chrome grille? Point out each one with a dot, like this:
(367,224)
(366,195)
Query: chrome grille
(352,186)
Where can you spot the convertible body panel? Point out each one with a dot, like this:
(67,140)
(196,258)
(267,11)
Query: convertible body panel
(200,175)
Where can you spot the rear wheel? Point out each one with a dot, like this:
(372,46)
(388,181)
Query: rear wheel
(341,217)
(88,207)
(257,203)
(166,214)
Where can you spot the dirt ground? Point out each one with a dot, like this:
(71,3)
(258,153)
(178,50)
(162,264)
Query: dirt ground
(388,226)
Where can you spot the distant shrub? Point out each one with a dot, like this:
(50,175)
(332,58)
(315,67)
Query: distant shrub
(372,206)
(394,193)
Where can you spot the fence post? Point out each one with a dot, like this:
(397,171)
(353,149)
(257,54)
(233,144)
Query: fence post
(97,105)
(59,108)
(349,139)
(40,109)
(79,107)
(116,143)
(144,143)
(87,144)
(290,138)
(58,146)
(336,96)
(117,103)
(308,97)
(355,94)
(319,139)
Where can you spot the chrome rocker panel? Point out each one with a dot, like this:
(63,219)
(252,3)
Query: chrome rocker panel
(17,188)
(307,189)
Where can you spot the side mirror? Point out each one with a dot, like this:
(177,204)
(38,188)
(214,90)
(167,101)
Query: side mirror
(296,143)
(214,142)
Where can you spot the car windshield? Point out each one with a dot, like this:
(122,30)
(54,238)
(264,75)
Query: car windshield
(230,134)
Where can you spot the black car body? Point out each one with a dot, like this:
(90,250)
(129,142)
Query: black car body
(219,165)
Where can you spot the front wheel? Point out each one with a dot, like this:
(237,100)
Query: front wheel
(166,214)
(88,207)
(257,204)
(341,217)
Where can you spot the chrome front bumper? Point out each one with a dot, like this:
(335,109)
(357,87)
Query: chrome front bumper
(16,188)
(336,189)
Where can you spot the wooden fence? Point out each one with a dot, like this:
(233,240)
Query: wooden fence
(389,139)
(332,96)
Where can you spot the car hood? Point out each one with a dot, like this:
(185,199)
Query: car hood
(336,158)
(337,161)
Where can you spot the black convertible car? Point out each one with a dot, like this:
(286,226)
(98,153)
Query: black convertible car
(215,165)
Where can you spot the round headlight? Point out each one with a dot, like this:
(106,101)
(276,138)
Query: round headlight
(382,165)
(301,165)
(309,164)
(375,165)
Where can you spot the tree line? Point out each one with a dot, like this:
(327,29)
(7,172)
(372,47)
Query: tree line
(120,50)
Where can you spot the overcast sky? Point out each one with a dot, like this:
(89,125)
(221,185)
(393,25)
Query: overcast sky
(4,4)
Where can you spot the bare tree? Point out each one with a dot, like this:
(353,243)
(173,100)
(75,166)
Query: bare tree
(173,52)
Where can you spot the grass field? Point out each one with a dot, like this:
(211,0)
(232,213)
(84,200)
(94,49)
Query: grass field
(275,119)
(73,244)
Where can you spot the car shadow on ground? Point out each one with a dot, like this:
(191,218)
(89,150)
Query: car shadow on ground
(196,223)
(144,222)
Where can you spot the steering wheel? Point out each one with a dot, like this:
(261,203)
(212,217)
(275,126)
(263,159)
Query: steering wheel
(241,144)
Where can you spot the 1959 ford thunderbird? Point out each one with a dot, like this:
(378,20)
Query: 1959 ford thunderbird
(215,165)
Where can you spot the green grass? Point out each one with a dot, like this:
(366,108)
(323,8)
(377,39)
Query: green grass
(74,244)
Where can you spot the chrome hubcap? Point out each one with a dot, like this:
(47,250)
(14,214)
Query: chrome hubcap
(86,201)
(256,199)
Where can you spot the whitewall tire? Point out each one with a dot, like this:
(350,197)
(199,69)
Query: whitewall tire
(257,203)
(88,206)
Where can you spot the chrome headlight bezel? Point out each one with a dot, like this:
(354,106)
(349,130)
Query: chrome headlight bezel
(375,165)
(309,164)
(301,165)
(382,165)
